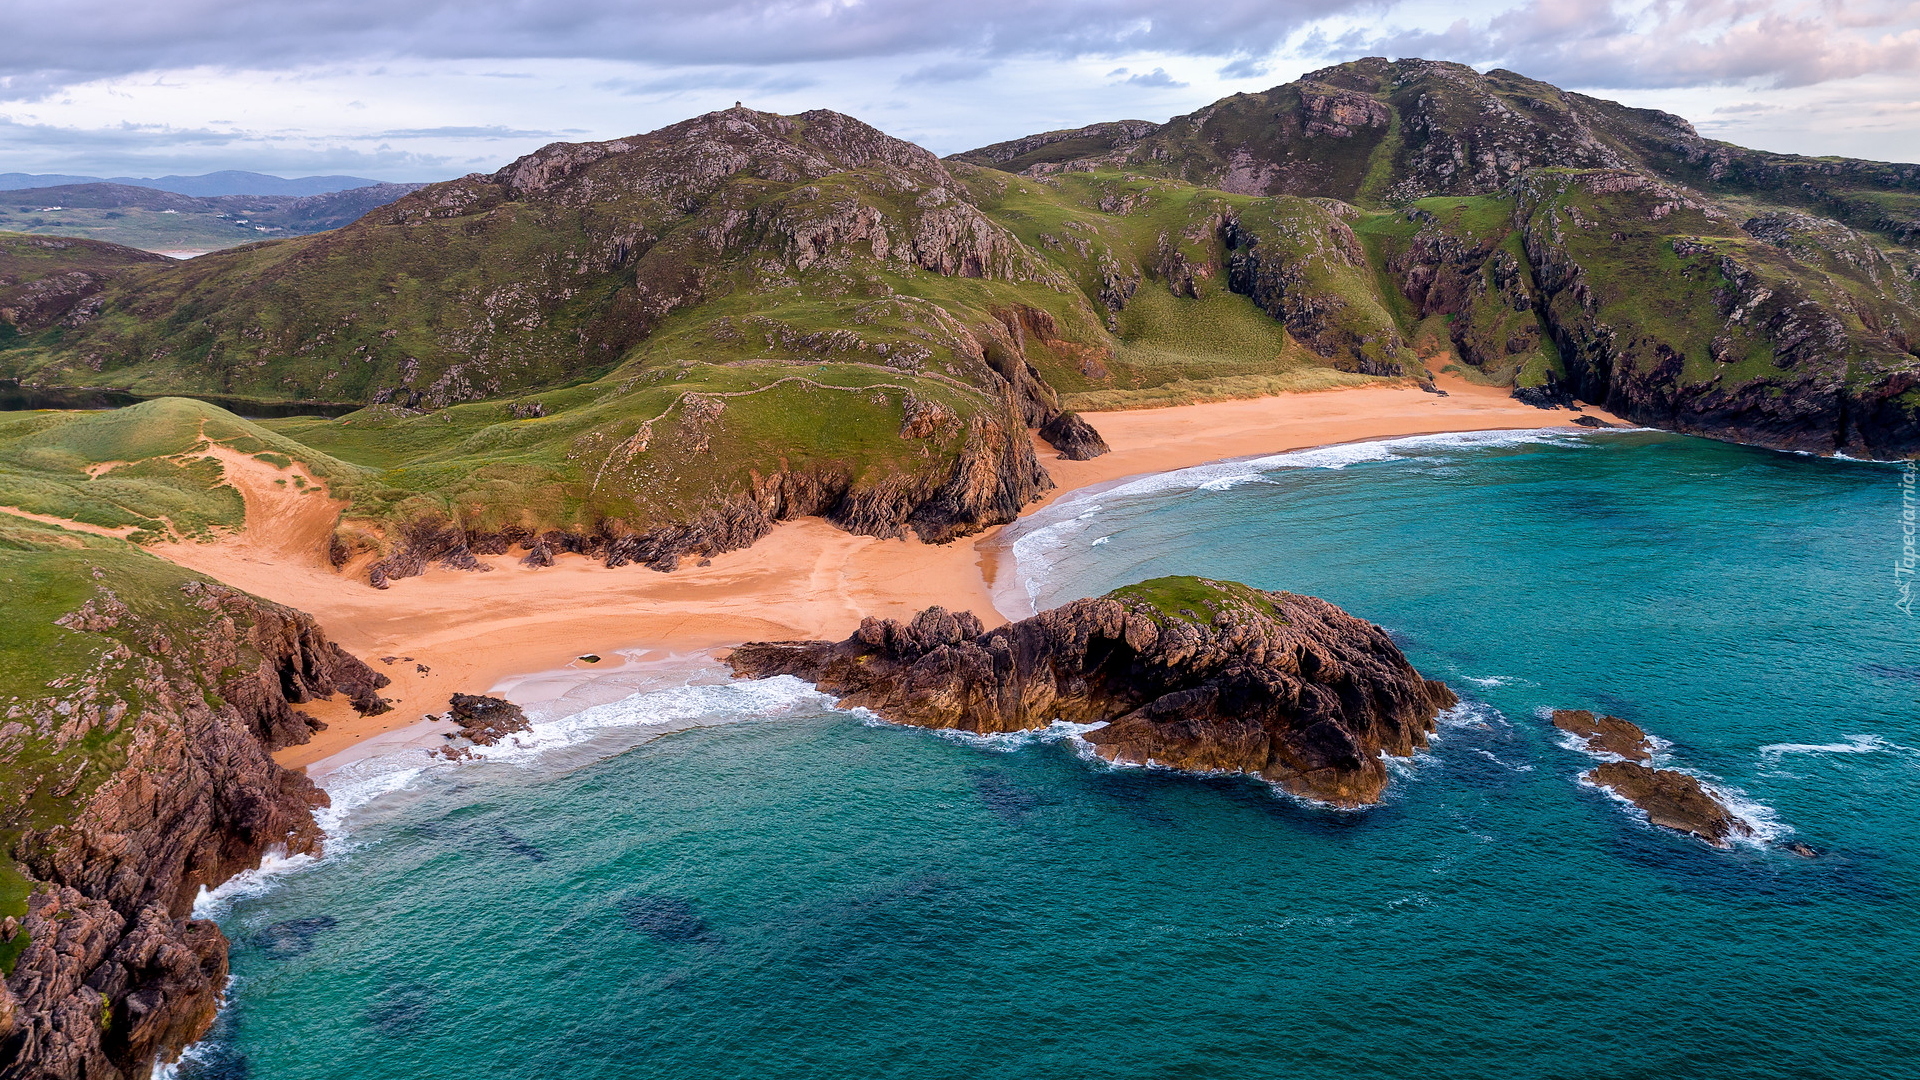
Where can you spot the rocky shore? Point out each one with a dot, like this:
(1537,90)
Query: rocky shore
(133,785)
(1184,672)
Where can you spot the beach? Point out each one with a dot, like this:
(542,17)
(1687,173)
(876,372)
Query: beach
(462,631)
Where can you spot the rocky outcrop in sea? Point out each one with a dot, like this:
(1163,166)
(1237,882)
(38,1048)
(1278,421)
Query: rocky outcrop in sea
(1187,673)
(1671,799)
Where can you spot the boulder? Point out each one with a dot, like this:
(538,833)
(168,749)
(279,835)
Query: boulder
(486,720)
(1076,439)
(1605,734)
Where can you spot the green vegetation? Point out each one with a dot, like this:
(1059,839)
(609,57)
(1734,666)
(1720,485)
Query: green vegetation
(100,676)
(154,220)
(140,468)
(10,950)
(1194,599)
(15,887)
(132,226)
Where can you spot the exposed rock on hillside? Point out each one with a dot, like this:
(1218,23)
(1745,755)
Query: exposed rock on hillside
(1188,673)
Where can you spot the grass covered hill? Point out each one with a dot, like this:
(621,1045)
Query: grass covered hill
(658,345)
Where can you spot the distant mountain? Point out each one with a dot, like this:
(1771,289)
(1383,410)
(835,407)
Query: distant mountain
(210,185)
(156,220)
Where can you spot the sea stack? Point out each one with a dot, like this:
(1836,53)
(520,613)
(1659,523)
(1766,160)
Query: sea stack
(1199,675)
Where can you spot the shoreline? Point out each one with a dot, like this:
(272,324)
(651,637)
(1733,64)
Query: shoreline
(451,631)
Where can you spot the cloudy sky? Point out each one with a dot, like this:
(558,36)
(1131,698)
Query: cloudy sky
(426,89)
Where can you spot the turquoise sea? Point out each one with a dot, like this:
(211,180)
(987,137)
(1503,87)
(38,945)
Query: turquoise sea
(795,891)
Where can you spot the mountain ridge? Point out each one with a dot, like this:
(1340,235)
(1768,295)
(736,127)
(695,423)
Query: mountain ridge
(204,185)
(158,220)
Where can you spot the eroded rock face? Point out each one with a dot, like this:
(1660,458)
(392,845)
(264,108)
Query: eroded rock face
(1187,673)
(1606,734)
(487,720)
(1672,800)
(995,475)
(114,974)
(1076,439)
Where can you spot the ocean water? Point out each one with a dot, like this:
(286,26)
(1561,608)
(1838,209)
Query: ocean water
(787,890)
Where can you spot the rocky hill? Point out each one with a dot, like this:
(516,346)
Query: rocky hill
(1350,225)
(656,347)
(1183,672)
(1571,245)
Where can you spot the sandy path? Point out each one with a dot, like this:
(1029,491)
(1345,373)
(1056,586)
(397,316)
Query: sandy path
(120,532)
(469,629)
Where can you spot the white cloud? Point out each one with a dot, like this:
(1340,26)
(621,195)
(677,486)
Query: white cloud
(396,90)
(1627,44)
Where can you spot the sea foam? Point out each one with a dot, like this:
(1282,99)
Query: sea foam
(1855,744)
(358,787)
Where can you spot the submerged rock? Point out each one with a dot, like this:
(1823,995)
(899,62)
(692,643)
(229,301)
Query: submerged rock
(487,720)
(665,918)
(293,937)
(1672,800)
(1606,734)
(1193,674)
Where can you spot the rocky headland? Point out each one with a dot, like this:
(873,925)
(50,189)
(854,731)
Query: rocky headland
(1186,673)
(139,776)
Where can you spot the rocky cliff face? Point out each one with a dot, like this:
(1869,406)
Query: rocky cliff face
(134,781)
(993,475)
(1187,673)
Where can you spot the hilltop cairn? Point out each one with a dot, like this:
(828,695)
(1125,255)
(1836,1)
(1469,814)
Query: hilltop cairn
(1196,675)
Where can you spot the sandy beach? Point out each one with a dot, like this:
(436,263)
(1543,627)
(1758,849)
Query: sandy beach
(465,631)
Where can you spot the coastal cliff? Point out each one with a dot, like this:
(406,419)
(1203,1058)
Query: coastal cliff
(138,774)
(1188,673)
(993,473)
